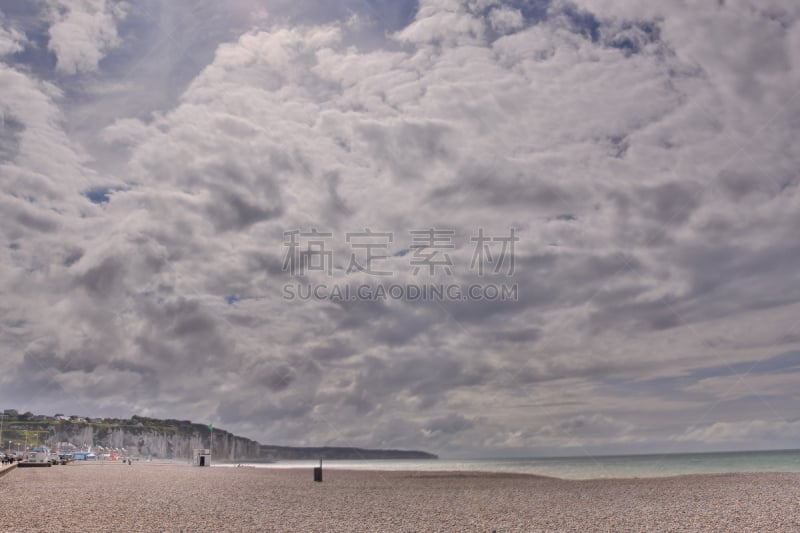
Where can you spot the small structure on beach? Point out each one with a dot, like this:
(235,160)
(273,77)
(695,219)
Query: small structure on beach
(318,472)
(201,457)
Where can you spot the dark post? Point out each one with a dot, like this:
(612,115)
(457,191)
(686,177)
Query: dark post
(318,472)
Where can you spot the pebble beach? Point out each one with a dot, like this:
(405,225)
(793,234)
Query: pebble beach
(156,497)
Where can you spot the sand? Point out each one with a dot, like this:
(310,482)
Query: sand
(150,497)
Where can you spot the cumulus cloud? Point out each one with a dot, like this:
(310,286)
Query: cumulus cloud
(82,32)
(650,173)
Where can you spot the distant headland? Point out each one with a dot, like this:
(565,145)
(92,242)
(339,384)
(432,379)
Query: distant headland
(335,452)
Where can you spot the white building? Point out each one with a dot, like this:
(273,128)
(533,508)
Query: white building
(201,457)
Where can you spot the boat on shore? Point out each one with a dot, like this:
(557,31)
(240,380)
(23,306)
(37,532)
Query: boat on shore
(37,457)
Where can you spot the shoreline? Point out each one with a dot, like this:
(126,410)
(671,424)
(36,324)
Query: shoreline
(496,474)
(418,473)
(452,472)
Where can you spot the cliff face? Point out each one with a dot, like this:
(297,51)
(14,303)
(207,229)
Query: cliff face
(167,439)
(158,443)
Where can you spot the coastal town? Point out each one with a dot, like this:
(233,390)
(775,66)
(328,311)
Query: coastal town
(66,453)
(24,441)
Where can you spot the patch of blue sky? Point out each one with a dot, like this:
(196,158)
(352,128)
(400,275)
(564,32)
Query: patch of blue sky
(666,386)
(532,11)
(583,21)
(100,195)
(393,14)
(233,299)
(27,17)
(788,362)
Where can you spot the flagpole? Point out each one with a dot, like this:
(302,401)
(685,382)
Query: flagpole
(211,450)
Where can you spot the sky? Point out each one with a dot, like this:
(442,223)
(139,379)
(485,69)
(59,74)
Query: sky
(189,189)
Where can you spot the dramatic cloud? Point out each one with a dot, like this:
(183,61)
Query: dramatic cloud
(643,154)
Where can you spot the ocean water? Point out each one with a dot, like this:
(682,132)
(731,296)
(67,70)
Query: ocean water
(584,467)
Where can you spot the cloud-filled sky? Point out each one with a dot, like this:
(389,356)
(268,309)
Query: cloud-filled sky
(155,158)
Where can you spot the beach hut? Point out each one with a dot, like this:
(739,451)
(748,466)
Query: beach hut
(201,457)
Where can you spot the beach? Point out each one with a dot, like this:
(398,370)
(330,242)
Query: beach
(152,497)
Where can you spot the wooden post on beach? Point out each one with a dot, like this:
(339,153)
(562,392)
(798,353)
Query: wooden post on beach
(318,472)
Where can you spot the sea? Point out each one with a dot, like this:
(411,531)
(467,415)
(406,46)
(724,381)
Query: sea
(583,467)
